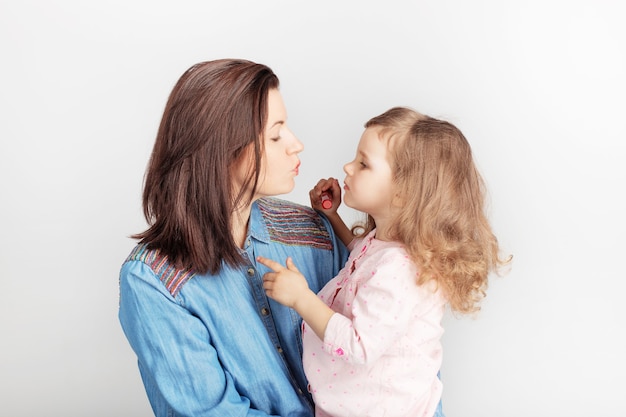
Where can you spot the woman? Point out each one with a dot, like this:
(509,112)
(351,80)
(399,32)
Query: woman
(192,305)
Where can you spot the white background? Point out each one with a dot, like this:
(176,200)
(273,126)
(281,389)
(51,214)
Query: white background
(536,86)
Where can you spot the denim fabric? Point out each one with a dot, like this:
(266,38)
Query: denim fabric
(439,411)
(216,345)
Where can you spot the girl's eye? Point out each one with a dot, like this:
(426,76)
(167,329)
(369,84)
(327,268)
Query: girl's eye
(362,164)
(276,139)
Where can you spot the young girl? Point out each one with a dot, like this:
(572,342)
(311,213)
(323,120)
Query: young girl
(372,338)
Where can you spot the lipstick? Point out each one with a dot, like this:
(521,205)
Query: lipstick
(327,202)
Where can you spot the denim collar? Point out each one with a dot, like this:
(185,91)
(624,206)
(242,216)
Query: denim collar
(257,228)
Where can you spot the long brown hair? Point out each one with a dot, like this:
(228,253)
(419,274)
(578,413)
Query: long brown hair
(216,110)
(442,222)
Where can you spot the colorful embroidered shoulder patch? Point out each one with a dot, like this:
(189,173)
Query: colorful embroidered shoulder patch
(292,224)
(171,277)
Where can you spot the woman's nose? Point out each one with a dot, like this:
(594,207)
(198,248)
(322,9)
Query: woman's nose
(296,146)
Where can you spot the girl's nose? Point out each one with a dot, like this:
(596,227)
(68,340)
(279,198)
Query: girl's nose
(347,168)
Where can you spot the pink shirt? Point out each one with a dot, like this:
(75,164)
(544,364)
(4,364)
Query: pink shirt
(382,350)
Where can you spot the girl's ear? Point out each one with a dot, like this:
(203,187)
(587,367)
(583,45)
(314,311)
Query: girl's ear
(398,199)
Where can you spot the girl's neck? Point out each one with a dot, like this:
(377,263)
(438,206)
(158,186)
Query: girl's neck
(382,231)
(384,224)
(381,235)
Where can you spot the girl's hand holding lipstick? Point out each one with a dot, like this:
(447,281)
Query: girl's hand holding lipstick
(326,195)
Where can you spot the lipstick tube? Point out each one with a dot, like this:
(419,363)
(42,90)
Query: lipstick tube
(327,202)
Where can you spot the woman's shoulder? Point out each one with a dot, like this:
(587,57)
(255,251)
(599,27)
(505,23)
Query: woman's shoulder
(172,277)
(294,224)
(272,206)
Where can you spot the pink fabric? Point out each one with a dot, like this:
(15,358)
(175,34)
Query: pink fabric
(382,349)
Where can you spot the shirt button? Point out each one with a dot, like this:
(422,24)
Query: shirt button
(300,391)
(250,271)
(265,311)
(280,350)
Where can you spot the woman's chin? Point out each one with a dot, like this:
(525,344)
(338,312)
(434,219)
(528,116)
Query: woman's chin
(277,191)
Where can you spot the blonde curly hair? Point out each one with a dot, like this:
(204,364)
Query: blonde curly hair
(442,221)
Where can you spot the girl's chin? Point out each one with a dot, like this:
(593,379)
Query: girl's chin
(347,201)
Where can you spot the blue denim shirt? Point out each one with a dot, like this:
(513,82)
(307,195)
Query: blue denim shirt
(216,345)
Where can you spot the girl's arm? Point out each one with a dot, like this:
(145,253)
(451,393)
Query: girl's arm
(289,287)
(382,310)
(341,229)
(331,188)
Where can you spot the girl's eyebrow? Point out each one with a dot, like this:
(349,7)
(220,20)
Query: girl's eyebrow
(279,122)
